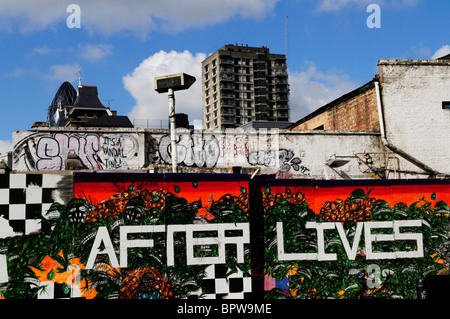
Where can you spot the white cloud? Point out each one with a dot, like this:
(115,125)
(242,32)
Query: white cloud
(312,88)
(92,52)
(28,16)
(45,49)
(336,5)
(420,50)
(18,71)
(152,105)
(140,16)
(444,50)
(309,88)
(5,146)
(64,72)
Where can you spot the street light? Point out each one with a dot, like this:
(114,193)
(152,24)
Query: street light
(171,83)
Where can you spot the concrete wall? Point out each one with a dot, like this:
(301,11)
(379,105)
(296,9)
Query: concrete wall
(412,95)
(47,149)
(284,153)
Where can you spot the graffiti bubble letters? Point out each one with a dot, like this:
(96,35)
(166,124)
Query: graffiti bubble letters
(192,149)
(283,159)
(51,151)
(107,151)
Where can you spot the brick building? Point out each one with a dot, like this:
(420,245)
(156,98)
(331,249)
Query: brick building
(354,111)
(407,103)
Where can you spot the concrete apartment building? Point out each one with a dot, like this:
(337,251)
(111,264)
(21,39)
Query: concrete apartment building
(243,84)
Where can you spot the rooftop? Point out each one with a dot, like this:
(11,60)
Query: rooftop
(265,124)
(109,121)
(87,99)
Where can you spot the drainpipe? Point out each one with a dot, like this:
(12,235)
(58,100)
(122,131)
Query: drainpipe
(395,149)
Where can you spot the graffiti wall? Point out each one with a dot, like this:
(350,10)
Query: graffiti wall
(43,151)
(136,236)
(270,151)
(213,236)
(24,198)
(285,154)
(352,239)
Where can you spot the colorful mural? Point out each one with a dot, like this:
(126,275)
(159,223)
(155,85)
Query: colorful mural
(138,236)
(368,240)
(172,236)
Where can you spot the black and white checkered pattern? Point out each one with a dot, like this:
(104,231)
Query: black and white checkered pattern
(218,286)
(52,290)
(24,197)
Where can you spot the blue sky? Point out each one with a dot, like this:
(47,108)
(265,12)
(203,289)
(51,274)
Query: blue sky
(122,45)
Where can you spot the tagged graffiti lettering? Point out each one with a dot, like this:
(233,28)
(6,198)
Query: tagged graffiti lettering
(95,151)
(192,149)
(283,159)
(117,149)
(52,150)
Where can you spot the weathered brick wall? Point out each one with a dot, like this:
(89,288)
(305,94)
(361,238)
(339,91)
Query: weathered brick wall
(359,113)
(356,112)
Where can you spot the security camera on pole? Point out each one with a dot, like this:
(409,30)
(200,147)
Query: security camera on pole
(170,84)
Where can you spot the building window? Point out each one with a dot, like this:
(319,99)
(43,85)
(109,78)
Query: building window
(446,105)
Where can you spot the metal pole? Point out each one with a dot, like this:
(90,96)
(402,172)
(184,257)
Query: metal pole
(172,130)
